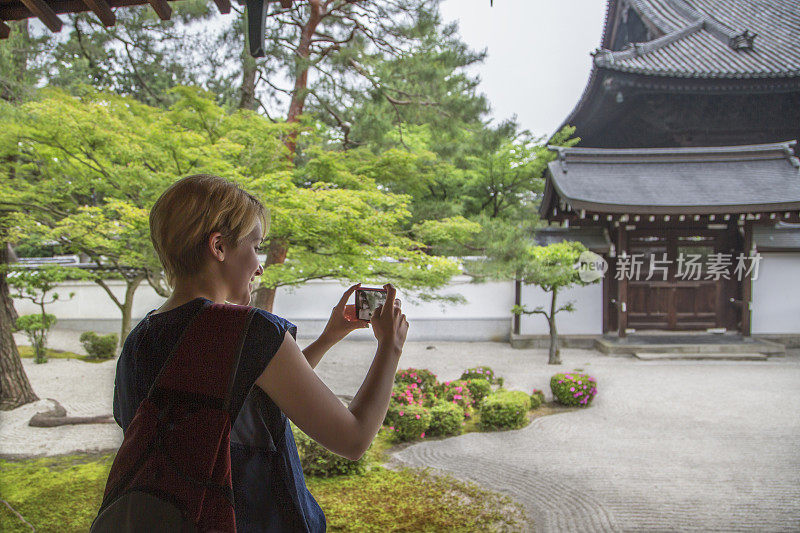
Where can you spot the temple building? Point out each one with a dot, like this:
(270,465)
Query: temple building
(686,178)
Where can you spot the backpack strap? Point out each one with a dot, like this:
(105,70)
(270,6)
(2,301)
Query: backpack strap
(202,368)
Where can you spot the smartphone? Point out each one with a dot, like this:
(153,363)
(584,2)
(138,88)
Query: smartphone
(367,300)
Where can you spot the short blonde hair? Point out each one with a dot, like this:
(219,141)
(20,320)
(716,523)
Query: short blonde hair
(193,208)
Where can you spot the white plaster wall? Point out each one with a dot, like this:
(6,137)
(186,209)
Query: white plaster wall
(485,316)
(776,294)
(587,319)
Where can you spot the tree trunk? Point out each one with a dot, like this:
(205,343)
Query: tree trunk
(555,352)
(127,309)
(247,91)
(8,303)
(265,297)
(276,254)
(301,71)
(15,389)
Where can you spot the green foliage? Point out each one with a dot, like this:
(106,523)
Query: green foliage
(99,346)
(36,327)
(407,422)
(409,499)
(70,485)
(573,388)
(319,461)
(504,409)
(26,351)
(101,160)
(446,419)
(479,388)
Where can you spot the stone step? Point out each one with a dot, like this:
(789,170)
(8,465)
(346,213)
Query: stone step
(728,346)
(650,356)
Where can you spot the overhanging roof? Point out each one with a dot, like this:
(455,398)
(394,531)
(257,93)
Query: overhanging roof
(594,238)
(47,12)
(732,179)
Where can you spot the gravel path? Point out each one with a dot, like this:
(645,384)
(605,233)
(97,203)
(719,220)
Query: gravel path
(666,445)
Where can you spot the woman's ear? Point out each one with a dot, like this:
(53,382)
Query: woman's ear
(216,246)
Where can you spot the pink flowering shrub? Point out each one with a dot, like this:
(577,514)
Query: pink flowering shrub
(409,422)
(479,388)
(482,372)
(408,395)
(421,377)
(458,392)
(573,388)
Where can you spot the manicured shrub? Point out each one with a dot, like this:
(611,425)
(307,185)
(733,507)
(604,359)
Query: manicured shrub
(479,388)
(407,422)
(99,346)
(446,419)
(408,394)
(536,402)
(422,377)
(458,392)
(480,372)
(573,388)
(321,462)
(539,395)
(504,409)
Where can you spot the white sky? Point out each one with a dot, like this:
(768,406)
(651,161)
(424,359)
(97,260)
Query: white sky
(538,58)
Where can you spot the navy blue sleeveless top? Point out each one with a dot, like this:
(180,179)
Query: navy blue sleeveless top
(269,488)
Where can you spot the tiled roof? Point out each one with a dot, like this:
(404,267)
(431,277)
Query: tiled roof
(713,39)
(593,237)
(733,179)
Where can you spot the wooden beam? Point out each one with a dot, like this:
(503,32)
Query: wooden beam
(44,13)
(102,10)
(256,22)
(747,283)
(5,30)
(622,285)
(162,9)
(286,4)
(224,6)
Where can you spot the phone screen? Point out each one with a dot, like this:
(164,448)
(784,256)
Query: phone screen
(367,300)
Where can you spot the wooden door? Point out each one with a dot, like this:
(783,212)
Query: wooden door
(671,291)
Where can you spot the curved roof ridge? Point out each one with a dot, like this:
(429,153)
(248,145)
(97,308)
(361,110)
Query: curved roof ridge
(607,58)
(779,149)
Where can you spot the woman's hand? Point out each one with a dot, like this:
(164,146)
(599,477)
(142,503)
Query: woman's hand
(338,325)
(389,324)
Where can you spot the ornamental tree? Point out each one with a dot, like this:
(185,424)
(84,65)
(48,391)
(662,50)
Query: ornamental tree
(553,268)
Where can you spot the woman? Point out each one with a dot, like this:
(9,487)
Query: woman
(206,232)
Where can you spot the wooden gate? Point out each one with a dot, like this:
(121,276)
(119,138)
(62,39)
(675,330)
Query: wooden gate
(668,286)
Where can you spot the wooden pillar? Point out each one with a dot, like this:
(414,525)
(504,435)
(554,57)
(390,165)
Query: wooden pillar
(622,285)
(606,281)
(747,282)
(517,301)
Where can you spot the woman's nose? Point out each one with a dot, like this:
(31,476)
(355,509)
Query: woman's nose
(260,270)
